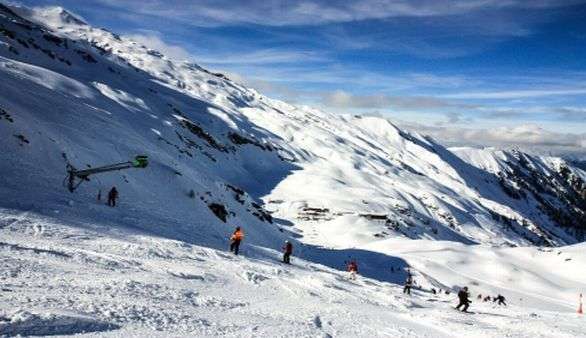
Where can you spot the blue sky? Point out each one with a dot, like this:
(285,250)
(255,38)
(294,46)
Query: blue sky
(494,72)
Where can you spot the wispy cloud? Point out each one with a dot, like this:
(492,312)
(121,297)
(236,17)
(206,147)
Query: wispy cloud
(313,12)
(342,99)
(475,24)
(525,135)
(153,40)
(517,94)
(265,56)
(559,113)
(572,113)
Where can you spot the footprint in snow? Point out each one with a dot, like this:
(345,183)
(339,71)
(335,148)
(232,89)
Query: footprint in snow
(369,283)
(186,275)
(255,277)
(335,287)
(313,294)
(229,257)
(197,259)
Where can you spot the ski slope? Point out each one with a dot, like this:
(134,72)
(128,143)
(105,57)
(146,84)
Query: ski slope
(339,187)
(95,280)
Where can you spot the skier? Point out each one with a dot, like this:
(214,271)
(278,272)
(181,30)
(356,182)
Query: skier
(112,196)
(501,300)
(464,301)
(353,269)
(287,251)
(408,283)
(99,195)
(235,239)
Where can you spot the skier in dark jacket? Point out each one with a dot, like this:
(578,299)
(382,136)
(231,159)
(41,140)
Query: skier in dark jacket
(464,300)
(112,196)
(501,300)
(287,251)
(408,283)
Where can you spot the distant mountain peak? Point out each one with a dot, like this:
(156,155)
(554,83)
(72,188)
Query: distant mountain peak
(53,16)
(67,16)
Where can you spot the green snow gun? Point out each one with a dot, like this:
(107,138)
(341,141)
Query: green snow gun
(140,161)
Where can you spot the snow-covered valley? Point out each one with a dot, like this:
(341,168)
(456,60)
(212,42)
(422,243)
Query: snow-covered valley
(222,155)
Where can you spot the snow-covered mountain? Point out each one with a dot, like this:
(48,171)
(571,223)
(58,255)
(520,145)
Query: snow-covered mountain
(222,155)
(552,186)
(85,96)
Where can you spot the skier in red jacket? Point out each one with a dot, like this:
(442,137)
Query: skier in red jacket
(287,251)
(353,269)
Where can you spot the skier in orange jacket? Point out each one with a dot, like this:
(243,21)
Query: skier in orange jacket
(235,239)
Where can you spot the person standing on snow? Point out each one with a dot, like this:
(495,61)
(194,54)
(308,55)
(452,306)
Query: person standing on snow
(235,239)
(501,300)
(463,296)
(287,251)
(408,283)
(353,269)
(112,196)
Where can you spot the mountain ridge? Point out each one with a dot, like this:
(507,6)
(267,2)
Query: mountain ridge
(363,170)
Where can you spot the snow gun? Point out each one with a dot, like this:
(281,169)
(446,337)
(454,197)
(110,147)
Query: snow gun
(76,177)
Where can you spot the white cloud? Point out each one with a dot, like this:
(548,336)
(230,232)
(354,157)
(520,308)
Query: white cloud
(153,40)
(528,136)
(572,113)
(343,99)
(517,94)
(264,56)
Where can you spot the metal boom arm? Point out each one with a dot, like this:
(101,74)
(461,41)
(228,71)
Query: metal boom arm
(138,162)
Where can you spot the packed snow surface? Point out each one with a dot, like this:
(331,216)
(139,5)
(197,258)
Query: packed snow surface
(59,278)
